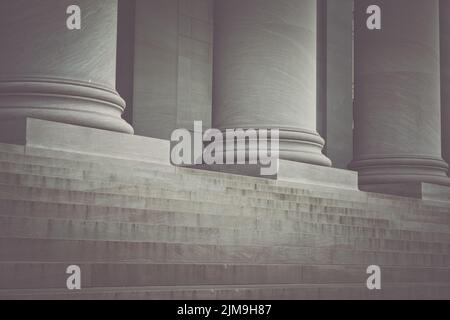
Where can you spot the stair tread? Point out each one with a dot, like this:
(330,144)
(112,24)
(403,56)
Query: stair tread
(139,202)
(278,185)
(133,218)
(209,231)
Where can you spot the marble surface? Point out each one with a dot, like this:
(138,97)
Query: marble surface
(397,94)
(265,72)
(172,66)
(53,73)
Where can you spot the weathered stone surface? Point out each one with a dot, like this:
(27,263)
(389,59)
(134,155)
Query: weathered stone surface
(424,191)
(147,231)
(38,134)
(141,228)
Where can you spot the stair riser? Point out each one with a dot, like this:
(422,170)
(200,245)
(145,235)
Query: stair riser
(187,185)
(98,164)
(209,221)
(53,276)
(360,243)
(113,188)
(17,193)
(218,179)
(75,229)
(39,194)
(17,249)
(261,205)
(245,252)
(155,232)
(148,177)
(47,209)
(184,216)
(109,251)
(190,194)
(16,207)
(413,292)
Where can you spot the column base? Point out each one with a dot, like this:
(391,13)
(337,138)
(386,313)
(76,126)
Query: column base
(68,101)
(402,170)
(303,146)
(294,145)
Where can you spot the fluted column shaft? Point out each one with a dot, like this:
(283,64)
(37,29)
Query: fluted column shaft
(50,72)
(397,94)
(445,76)
(265,72)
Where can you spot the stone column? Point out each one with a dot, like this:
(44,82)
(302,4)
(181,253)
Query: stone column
(445,76)
(265,72)
(397,94)
(50,72)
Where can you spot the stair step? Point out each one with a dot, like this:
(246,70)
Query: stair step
(32,181)
(164,212)
(65,226)
(60,250)
(413,291)
(77,183)
(264,223)
(127,175)
(78,197)
(183,217)
(38,275)
(81,176)
(74,230)
(146,231)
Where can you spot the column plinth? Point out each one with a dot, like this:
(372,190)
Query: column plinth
(52,73)
(265,56)
(397,94)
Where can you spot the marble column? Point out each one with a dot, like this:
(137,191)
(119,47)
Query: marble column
(445,76)
(50,72)
(265,56)
(397,94)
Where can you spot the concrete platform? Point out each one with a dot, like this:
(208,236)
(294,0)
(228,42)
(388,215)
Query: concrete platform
(295,172)
(316,175)
(423,191)
(37,134)
(146,230)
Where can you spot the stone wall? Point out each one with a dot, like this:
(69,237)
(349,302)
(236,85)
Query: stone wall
(172,65)
(335,79)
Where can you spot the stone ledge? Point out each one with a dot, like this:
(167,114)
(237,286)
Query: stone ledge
(37,134)
(423,191)
(294,172)
(42,135)
(316,175)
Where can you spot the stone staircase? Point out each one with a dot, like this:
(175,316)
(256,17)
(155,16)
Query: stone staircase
(149,231)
